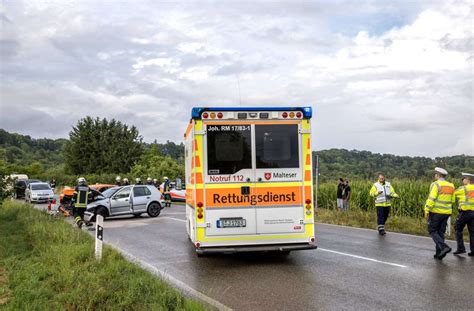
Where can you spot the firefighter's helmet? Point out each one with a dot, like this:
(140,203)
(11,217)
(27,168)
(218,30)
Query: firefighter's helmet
(118,178)
(81,181)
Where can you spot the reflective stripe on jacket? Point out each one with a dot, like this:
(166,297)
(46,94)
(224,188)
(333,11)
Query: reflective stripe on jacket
(465,197)
(80,196)
(382,199)
(441,198)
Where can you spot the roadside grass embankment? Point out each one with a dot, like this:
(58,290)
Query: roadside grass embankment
(46,264)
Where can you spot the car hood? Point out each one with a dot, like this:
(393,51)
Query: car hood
(48,191)
(104,202)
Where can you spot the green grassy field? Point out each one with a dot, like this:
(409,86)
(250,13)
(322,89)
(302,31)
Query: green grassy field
(46,264)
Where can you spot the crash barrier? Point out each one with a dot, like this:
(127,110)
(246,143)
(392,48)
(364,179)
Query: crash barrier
(99,236)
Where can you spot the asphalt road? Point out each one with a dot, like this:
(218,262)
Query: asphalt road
(352,269)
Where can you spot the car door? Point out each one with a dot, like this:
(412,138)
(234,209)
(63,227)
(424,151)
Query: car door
(120,202)
(141,196)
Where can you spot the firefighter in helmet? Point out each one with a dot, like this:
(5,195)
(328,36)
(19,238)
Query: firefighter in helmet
(80,198)
(155,183)
(149,181)
(126,182)
(138,181)
(166,191)
(118,181)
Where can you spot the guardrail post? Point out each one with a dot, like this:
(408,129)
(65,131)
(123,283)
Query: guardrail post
(99,236)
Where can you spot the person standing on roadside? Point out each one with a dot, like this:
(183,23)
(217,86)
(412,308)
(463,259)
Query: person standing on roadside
(149,181)
(80,198)
(383,192)
(346,195)
(118,181)
(166,191)
(155,183)
(438,209)
(339,198)
(138,181)
(126,182)
(465,197)
(52,183)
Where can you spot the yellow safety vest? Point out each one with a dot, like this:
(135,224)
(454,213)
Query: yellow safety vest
(383,199)
(465,197)
(441,198)
(80,196)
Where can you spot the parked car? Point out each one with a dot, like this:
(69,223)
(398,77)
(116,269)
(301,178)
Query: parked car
(38,192)
(66,194)
(17,186)
(126,200)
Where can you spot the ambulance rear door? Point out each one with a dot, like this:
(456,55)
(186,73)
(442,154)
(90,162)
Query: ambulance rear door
(279,177)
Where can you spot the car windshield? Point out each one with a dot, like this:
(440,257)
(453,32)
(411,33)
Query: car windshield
(109,192)
(38,186)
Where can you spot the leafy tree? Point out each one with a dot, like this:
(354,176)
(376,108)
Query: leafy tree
(153,164)
(101,146)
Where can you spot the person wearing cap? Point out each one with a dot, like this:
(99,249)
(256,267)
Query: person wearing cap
(118,181)
(126,182)
(166,191)
(465,197)
(149,181)
(438,209)
(382,192)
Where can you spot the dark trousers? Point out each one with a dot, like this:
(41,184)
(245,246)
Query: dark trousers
(382,215)
(465,218)
(78,214)
(437,224)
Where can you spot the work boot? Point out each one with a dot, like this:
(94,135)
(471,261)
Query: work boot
(382,232)
(435,256)
(459,251)
(444,252)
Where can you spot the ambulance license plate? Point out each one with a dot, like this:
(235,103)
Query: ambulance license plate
(238,222)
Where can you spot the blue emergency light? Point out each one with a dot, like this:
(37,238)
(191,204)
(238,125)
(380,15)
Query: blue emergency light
(197,111)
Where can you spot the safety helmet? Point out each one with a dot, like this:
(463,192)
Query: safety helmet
(117,178)
(155,180)
(81,181)
(165,178)
(138,179)
(125,179)
(148,179)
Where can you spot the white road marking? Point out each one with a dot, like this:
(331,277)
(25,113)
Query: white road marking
(177,219)
(183,213)
(363,258)
(186,289)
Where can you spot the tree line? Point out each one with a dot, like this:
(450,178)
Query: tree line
(102,149)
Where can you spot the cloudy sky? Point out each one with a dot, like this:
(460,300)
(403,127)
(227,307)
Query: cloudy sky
(385,76)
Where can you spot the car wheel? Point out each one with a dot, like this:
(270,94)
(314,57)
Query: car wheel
(154,210)
(102,212)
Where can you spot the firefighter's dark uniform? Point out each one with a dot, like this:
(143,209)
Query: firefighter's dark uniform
(166,192)
(80,198)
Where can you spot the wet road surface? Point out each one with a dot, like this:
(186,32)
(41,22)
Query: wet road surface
(352,269)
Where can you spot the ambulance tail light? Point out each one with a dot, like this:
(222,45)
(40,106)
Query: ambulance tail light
(220,115)
(200,204)
(299,115)
(284,115)
(292,114)
(308,201)
(205,115)
(200,216)
(213,115)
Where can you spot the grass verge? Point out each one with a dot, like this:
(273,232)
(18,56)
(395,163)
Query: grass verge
(46,264)
(362,219)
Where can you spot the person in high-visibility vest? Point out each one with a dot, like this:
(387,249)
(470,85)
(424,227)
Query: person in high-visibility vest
(465,197)
(80,198)
(383,192)
(166,191)
(438,209)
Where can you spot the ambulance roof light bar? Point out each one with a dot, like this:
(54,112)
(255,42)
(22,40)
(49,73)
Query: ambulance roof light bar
(197,111)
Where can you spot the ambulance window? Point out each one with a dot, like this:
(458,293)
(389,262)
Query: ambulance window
(277,146)
(228,149)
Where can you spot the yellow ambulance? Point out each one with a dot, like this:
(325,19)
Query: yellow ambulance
(249,179)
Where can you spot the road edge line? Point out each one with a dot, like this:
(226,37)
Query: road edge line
(181,286)
(363,258)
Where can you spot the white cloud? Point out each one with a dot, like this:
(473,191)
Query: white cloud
(388,77)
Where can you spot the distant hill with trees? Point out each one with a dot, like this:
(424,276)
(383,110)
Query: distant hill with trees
(354,164)
(48,157)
